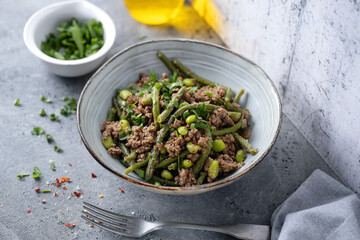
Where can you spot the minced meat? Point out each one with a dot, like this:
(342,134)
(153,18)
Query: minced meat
(110,129)
(143,78)
(142,139)
(220,118)
(186,177)
(175,144)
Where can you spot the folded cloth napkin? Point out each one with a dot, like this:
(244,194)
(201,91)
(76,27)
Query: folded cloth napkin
(321,208)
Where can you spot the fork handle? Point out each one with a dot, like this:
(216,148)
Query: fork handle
(242,231)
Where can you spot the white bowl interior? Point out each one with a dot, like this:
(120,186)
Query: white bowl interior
(209,61)
(45,21)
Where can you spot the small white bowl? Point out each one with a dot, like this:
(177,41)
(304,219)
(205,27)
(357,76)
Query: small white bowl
(45,21)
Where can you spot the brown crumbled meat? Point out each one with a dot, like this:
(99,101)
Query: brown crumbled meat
(186,178)
(162,102)
(207,163)
(114,151)
(110,129)
(147,95)
(227,164)
(220,117)
(193,136)
(160,146)
(188,97)
(175,145)
(236,105)
(202,142)
(246,134)
(143,78)
(230,147)
(142,157)
(177,123)
(142,139)
(164,76)
(200,95)
(145,110)
(193,156)
(132,99)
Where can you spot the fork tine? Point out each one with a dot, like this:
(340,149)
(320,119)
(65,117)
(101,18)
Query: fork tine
(117,216)
(90,211)
(116,229)
(107,219)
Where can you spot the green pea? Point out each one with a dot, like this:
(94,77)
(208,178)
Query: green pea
(146,99)
(173,166)
(186,163)
(166,175)
(188,82)
(214,168)
(240,155)
(124,94)
(182,130)
(190,119)
(218,145)
(183,104)
(108,142)
(192,147)
(124,124)
(157,183)
(163,151)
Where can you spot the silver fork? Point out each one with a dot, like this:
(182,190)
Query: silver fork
(136,227)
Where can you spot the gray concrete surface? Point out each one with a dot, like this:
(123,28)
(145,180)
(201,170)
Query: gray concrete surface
(251,199)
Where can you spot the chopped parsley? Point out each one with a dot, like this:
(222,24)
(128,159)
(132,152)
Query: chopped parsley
(20,176)
(142,37)
(57,149)
(37,131)
(53,117)
(36,173)
(49,138)
(52,165)
(69,107)
(17,102)
(42,113)
(46,100)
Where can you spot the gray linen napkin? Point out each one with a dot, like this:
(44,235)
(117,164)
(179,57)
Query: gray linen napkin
(321,208)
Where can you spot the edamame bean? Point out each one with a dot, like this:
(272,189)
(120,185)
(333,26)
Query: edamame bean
(108,142)
(182,130)
(157,183)
(146,99)
(183,104)
(210,94)
(124,94)
(214,168)
(218,145)
(240,155)
(186,163)
(188,82)
(192,147)
(166,175)
(190,119)
(125,125)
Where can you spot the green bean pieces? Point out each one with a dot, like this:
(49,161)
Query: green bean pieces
(111,114)
(245,144)
(136,166)
(199,165)
(201,178)
(230,107)
(156,105)
(231,129)
(171,160)
(163,116)
(238,96)
(166,61)
(228,94)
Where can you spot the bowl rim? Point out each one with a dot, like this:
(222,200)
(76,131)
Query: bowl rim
(108,42)
(163,189)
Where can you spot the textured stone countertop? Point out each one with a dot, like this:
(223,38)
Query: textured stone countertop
(252,199)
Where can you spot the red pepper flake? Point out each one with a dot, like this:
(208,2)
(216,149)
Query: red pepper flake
(70,164)
(73,225)
(63,193)
(91,225)
(67,224)
(64,188)
(77,194)
(43,201)
(55,194)
(61,213)
(28,211)
(37,189)
(38,195)
(93,175)
(121,190)
(89,197)
(99,222)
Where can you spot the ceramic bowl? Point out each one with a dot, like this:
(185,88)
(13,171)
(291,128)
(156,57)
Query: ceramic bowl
(46,20)
(207,60)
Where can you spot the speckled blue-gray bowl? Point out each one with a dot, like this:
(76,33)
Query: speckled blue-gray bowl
(210,61)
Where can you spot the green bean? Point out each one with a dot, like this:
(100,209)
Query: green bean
(167,62)
(230,107)
(131,157)
(164,181)
(155,153)
(187,71)
(111,114)
(124,149)
(166,175)
(108,142)
(228,130)
(171,160)
(124,94)
(183,104)
(238,96)
(240,155)
(117,107)
(218,145)
(181,110)
(156,106)
(199,165)
(214,169)
(162,117)
(229,94)
(245,144)
(163,151)
(136,166)
(235,115)
(187,163)
(201,178)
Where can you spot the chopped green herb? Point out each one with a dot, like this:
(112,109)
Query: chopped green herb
(17,102)
(141,173)
(176,133)
(37,131)
(49,138)
(57,149)
(52,165)
(42,113)
(153,76)
(53,117)
(46,100)
(142,37)
(20,176)
(69,107)
(46,191)
(36,173)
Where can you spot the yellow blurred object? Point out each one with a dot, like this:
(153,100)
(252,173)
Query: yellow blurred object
(154,12)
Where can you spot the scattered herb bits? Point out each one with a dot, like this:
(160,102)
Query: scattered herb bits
(46,100)
(69,107)
(20,176)
(57,149)
(49,138)
(42,113)
(54,118)
(75,40)
(36,173)
(37,131)
(52,165)
(17,102)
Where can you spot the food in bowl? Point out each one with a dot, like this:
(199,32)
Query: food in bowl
(76,40)
(179,130)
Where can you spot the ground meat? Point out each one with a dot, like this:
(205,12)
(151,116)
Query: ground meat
(175,145)
(220,117)
(186,178)
(145,110)
(164,76)
(132,99)
(193,156)
(142,157)
(227,164)
(142,139)
(143,78)
(114,151)
(202,94)
(230,148)
(162,102)
(177,123)
(193,136)
(110,129)
(202,142)
(160,146)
